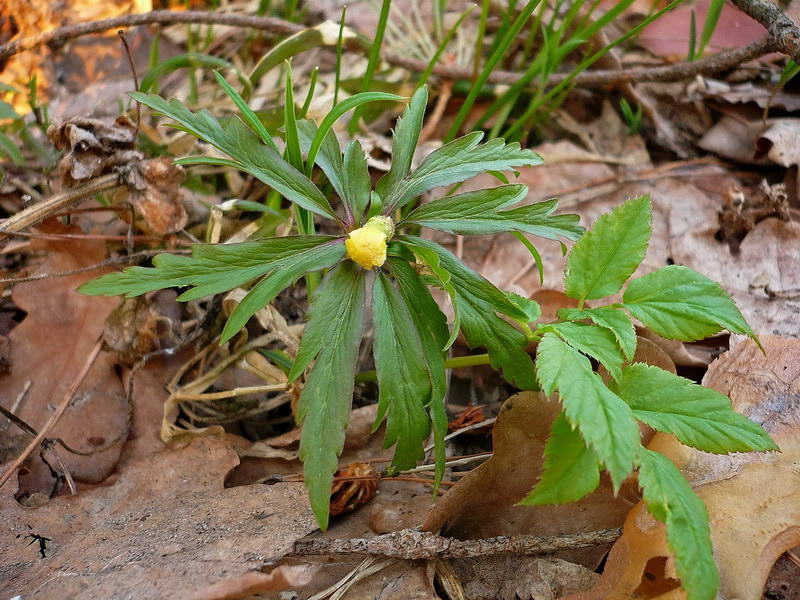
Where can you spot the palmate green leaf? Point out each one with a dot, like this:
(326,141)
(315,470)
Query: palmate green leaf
(332,336)
(477,301)
(595,341)
(458,161)
(478,212)
(212,268)
(603,418)
(670,500)
(431,326)
(613,319)
(404,141)
(279,279)
(239,142)
(403,378)
(698,416)
(681,304)
(570,471)
(605,256)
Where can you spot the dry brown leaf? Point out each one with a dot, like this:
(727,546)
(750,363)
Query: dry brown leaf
(50,346)
(154,190)
(255,582)
(483,503)
(166,528)
(751,498)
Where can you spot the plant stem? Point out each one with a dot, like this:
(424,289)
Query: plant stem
(470,360)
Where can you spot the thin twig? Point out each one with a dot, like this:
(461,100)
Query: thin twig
(412,544)
(73,388)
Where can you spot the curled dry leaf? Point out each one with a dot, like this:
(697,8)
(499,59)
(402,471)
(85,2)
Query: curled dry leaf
(751,498)
(471,415)
(168,528)
(348,494)
(154,190)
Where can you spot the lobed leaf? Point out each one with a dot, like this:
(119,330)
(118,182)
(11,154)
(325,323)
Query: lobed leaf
(605,421)
(608,254)
(698,416)
(212,268)
(404,141)
(613,319)
(597,342)
(333,337)
(681,304)
(670,500)
(571,470)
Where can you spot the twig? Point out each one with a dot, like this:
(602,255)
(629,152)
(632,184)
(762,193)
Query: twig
(73,388)
(41,210)
(412,544)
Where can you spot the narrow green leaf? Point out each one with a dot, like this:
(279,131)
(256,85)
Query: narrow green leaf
(679,303)
(8,146)
(248,116)
(329,157)
(455,162)
(212,268)
(603,259)
(404,141)
(373,60)
(291,137)
(570,471)
(613,319)
(603,418)
(403,378)
(595,341)
(333,336)
(698,416)
(670,500)
(478,212)
(314,259)
(239,142)
(357,181)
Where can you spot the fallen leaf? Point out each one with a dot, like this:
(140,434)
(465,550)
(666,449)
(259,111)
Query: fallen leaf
(166,528)
(750,496)
(154,190)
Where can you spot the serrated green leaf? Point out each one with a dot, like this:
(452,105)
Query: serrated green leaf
(613,319)
(403,378)
(570,471)
(314,259)
(239,142)
(605,421)
(357,181)
(477,301)
(457,161)
(212,268)
(670,500)
(681,304)
(698,416)
(478,212)
(530,307)
(431,326)
(595,341)
(603,259)
(333,336)
(404,141)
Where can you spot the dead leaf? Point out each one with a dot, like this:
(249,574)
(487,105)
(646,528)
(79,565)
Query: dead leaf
(142,325)
(154,190)
(255,582)
(750,497)
(166,528)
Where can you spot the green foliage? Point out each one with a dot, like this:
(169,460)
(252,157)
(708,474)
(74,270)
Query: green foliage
(598,427)
(633,118)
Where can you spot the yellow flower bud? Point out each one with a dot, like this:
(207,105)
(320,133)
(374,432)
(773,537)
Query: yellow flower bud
(367,245)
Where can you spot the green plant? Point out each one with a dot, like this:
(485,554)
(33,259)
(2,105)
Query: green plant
(633,118)
(374,255)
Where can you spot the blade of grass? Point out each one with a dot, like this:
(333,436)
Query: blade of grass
(373,60)
(504,44)
(710,24)
(479,39)
(339,44)
(310,96)
(692,37)
(442,47)
(247,113)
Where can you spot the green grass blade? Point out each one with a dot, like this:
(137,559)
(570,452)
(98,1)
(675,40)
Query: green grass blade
(710,24)
(442,47)
(248,116)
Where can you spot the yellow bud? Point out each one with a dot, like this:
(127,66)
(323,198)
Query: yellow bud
(367,245)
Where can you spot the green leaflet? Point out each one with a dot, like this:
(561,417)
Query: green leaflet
(570,471)
(670,500)
(239,142)
(212,268)
(404,141)
(431,326)
(613,319)
(403,378)
(275,282)
(478,212)
(357,181)
(248,116)
(679,303)
(333,336)
(698,416)
(595,341)
(477,301)
(604,420)
(603,259)
(457,161)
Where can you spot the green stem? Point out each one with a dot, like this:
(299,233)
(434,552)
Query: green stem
(471,360)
